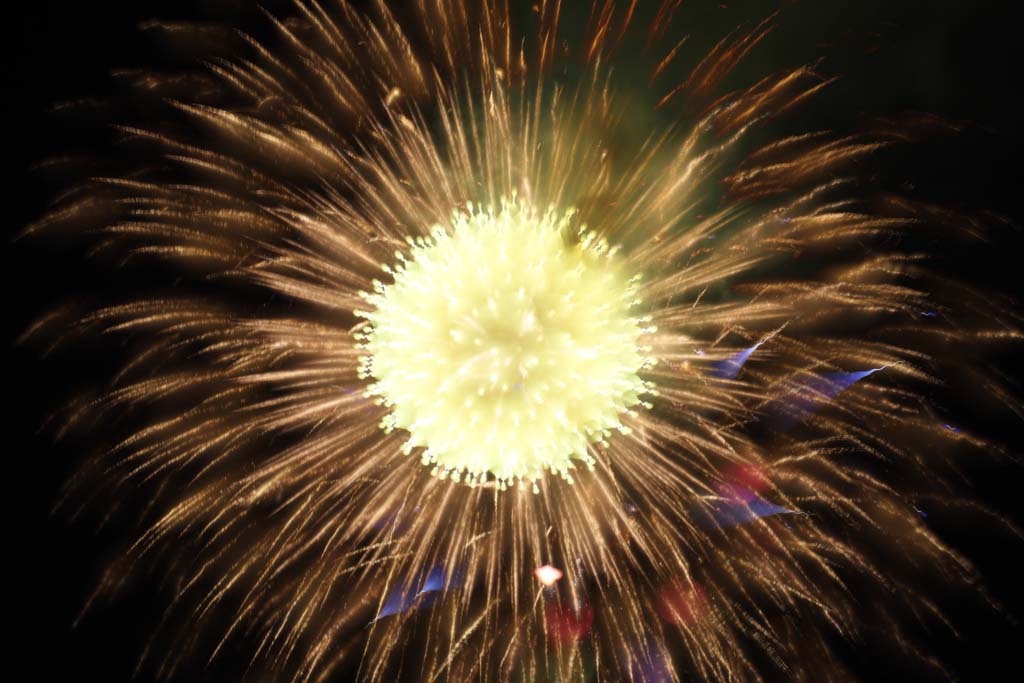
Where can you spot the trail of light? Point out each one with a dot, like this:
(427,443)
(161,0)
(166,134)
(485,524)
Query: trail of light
(810,395)
(403,599)
(721,514)
(731,366)
(650,666)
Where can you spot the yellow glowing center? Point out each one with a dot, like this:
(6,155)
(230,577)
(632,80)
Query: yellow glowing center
(502,348)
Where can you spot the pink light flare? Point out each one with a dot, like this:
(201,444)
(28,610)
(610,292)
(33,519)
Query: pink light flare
(681,603)
(563,624)
(743,483)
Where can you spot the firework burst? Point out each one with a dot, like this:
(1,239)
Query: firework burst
(489,281)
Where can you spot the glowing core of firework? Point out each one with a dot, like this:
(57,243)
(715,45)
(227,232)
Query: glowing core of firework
(506,344)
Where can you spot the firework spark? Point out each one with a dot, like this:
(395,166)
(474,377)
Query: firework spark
(488,278)
(498,321)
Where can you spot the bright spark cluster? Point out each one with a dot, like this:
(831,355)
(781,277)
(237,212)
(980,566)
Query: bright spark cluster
(517,329)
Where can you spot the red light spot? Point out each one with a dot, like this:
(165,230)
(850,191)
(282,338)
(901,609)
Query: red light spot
(565,625)
(744,482)
(681,603)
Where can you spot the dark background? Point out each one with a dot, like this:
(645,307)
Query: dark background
(956,59)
